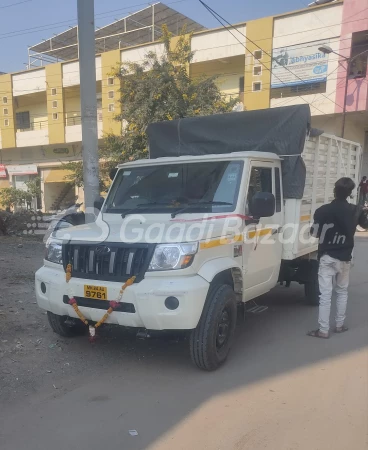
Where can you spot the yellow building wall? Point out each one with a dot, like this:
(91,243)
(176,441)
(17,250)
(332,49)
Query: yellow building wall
(72,106)
(109,61)
(54,79)
(7,132)
(259,32)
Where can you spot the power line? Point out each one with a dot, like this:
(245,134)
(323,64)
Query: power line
(15,4)
(102,15)
(214,13)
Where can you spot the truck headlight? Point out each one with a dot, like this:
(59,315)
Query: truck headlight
(173,256)
(54,251)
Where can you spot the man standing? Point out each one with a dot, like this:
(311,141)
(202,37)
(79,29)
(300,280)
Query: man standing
(363,197)
(335,225)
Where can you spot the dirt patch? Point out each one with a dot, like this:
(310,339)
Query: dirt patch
(35,360)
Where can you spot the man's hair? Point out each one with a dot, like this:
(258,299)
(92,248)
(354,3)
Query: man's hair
(364,178)
(343,188)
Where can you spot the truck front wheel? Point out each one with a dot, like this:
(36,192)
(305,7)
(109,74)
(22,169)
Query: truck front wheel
(64,325)
(211,341)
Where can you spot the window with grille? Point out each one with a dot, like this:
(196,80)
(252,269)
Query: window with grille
(111,107)
(23,120)
(6,122)
(110,81)
(257,87)
(111,94)
(5,111)
(53,91)
(5,100)
(258,54)
(54,104)
(55,116)
(257,70)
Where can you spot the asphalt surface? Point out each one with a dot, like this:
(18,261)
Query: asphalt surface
(279,390)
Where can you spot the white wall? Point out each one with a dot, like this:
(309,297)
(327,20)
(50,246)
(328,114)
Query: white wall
(308,26)
(73,133)
(136,55)
(29,82)
(31,138)
(304,28)
(71,72)
(218,44)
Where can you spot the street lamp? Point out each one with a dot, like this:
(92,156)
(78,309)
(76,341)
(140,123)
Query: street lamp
(326,49)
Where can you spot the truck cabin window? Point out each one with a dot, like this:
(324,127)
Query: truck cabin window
(195,187)
(260,181)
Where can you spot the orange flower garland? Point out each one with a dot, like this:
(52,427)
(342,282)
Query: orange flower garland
(112,304)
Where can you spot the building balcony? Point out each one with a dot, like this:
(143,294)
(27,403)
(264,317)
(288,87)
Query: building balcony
(36,134)
(73,128)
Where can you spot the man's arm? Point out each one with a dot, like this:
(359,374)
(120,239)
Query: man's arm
(315,230)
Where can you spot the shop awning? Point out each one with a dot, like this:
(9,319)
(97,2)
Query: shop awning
(24,169)
(58,176)
(2,171)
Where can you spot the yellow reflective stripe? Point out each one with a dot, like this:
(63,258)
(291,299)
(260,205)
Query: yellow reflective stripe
(220,241)
(258,233)
(305,218)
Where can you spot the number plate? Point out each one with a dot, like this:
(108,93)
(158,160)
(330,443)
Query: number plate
(97,292)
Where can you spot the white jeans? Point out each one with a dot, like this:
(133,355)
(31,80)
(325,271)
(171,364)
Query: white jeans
(332,272)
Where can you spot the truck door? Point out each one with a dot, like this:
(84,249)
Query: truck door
(262,246)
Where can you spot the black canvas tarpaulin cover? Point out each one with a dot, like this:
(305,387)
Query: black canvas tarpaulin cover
(277,130)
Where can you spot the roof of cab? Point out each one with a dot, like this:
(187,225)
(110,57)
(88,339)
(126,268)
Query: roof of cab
(264,156)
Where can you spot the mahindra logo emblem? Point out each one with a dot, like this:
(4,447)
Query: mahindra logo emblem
(104,250)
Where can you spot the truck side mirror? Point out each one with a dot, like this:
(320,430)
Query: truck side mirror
(112,173)
(262,205)
(98,203)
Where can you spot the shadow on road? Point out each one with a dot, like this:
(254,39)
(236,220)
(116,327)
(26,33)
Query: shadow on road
(151,385)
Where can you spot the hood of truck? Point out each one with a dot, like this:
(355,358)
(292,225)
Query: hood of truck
(155,228)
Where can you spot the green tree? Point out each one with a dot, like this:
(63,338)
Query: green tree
(159,88)
(11,197)
(34,187)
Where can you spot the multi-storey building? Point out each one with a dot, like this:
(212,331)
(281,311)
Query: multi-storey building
(269,62)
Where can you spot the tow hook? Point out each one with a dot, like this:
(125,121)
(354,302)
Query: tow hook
(143,334)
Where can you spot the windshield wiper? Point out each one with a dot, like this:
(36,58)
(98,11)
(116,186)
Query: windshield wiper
(190,205)
(142,205)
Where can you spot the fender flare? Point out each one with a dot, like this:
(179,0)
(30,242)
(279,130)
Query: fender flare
(215,266)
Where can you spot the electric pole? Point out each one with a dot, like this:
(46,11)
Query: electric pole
(87,71)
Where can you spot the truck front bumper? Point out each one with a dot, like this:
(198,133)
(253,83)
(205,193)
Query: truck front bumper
(148,298)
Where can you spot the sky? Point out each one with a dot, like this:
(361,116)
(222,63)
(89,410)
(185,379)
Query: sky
(25,23)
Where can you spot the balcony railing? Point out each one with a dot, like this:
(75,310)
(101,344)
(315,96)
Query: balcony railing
(77,120)
(39,125)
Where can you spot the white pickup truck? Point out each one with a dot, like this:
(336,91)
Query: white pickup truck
(202,235)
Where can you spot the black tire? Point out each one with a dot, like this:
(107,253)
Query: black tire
(311,288)
(211,341)
(60,325)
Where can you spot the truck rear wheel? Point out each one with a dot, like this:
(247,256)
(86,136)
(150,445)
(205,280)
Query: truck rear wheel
(311,287)
(211,341)
(64,325)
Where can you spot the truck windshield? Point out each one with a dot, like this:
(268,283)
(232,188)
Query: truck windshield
(200,187)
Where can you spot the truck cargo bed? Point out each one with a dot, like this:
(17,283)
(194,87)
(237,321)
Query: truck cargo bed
(327,158)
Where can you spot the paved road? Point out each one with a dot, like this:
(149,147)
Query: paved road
(279,390)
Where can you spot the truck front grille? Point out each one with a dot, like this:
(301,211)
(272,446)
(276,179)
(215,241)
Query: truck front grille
(108,262)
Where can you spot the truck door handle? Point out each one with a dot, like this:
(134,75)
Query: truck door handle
(276,231)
